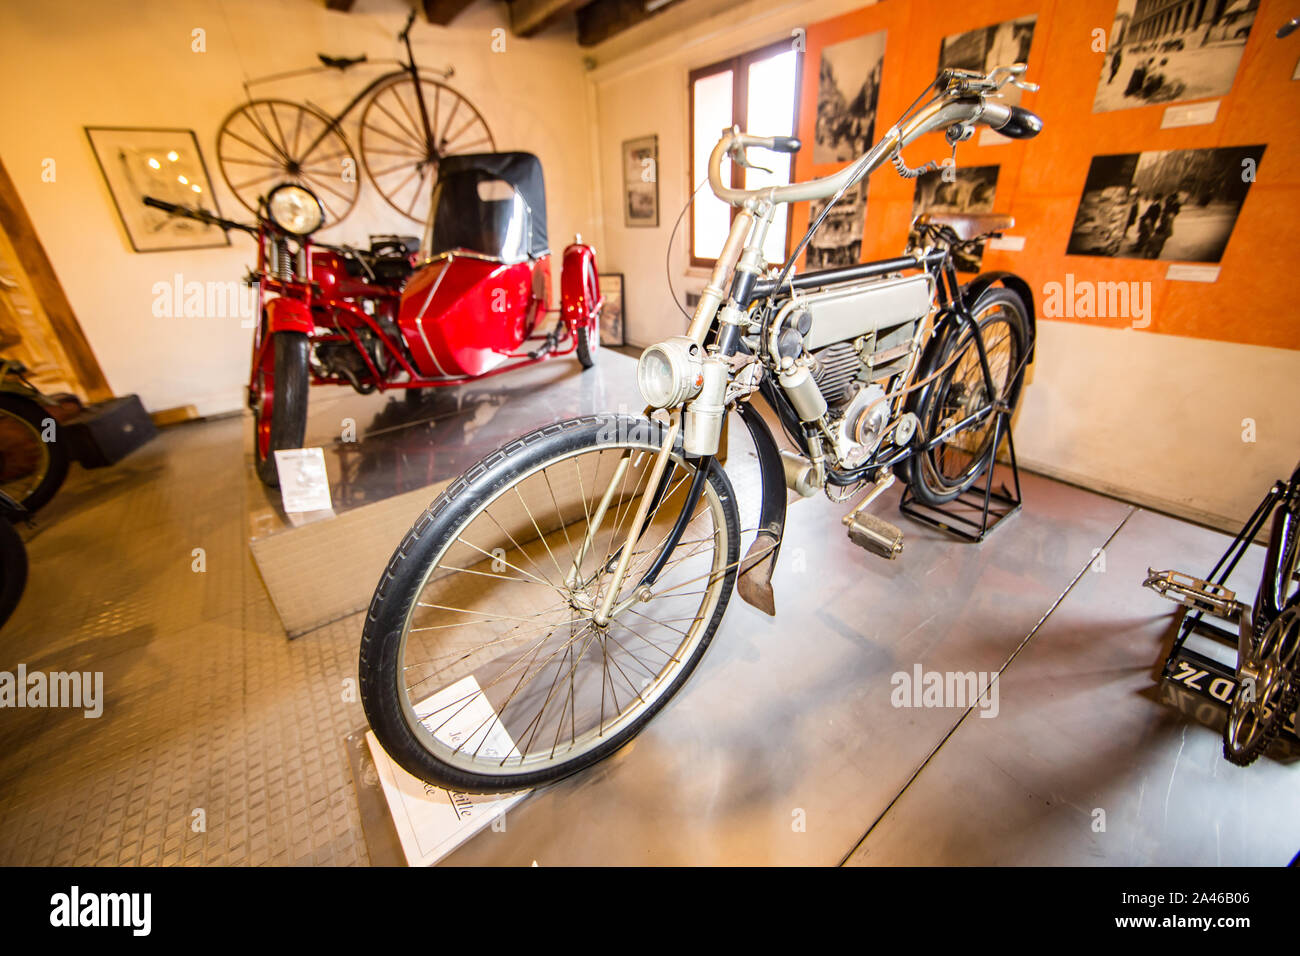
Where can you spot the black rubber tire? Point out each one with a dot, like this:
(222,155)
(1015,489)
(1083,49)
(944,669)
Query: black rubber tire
(34,415)
(289,404)
(927,402)
(13,569)
(586,349)
(404,577)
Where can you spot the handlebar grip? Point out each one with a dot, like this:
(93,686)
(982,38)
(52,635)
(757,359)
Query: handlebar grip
(786,144)
(161,204)
(1019,124)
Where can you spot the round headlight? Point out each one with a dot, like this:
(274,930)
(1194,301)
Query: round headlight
(294,209)
(669,373)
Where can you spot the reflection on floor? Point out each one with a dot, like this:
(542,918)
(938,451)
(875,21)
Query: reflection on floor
(222,742)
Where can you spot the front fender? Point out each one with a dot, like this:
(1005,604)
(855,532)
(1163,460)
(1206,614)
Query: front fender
(288,315)
(755,577)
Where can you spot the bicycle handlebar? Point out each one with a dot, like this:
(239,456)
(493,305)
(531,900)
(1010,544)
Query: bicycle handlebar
(963,100)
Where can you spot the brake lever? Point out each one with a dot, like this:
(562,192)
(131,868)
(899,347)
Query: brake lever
(737,153)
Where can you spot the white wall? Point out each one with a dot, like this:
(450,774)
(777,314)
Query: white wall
(67,64)
(1151,418)
(641,88)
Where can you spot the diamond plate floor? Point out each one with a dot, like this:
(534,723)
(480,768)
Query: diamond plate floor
(207,707)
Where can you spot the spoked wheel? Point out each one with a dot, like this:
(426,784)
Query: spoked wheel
(941,474)
(483,663)
(267,142)
(402,144)
(31,468)
(1266,690)
(279,401)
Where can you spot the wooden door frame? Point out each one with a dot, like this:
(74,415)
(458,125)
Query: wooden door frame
(53,300)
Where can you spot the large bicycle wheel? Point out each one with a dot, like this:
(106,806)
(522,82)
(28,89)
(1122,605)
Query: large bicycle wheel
(483,667)
(945,471)
(263,143)
(402,145)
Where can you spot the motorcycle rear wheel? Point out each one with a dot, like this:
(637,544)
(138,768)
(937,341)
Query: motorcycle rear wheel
(938,476)
(280,410)
(482,668)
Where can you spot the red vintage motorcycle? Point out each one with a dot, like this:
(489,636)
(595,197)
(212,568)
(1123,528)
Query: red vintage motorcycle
(465,303)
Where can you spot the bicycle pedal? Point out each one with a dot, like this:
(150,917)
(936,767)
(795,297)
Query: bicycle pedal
(1193,592)
(875,535)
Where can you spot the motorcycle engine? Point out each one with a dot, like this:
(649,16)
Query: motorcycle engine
(853,377)
(343,359)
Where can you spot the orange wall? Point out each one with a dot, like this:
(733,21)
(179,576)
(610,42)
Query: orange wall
(1041,180)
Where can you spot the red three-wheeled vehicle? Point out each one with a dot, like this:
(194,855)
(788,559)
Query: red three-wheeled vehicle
(471,299)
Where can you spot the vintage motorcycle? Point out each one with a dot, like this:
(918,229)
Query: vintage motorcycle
(557,594)
(463,304)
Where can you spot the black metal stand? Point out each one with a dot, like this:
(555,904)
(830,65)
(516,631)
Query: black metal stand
(974,513)
(1191,679)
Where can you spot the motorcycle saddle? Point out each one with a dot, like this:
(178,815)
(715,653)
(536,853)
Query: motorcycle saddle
(970,225)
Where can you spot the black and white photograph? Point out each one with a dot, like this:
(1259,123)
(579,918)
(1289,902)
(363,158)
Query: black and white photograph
(848,87)
(958,190)
(1002,44)
(1166,51)
(641,181)
(1177,204)
(839,240)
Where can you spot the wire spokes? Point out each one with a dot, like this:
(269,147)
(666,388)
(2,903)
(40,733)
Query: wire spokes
(502,662)
(405,133)
(267,142)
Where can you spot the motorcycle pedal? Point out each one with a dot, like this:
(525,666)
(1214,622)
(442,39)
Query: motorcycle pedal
(875,535)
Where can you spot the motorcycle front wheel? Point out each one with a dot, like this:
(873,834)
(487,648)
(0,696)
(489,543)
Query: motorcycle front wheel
(483,667)
(280,402)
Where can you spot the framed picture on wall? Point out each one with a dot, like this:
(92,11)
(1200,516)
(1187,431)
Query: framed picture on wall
(611,315)
(848,87)
(641,181)
(1167,53)
(1178,204)
(162,163)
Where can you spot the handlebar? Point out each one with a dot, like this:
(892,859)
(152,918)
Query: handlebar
(962,100)
(198,215)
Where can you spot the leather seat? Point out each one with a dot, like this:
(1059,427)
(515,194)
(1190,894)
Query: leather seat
(968,225)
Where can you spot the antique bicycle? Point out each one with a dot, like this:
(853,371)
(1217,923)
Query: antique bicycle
(411,120)
(1263,690)
(557,594)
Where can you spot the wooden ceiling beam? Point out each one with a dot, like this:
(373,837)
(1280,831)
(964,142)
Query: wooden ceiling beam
(442,12)
(530,17)
(602,19)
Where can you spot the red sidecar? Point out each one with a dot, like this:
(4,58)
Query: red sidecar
(472,308)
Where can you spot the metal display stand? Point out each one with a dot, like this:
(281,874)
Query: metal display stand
(1191,678)
(974,513)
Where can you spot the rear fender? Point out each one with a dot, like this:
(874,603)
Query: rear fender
(580,298)
(976,287)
